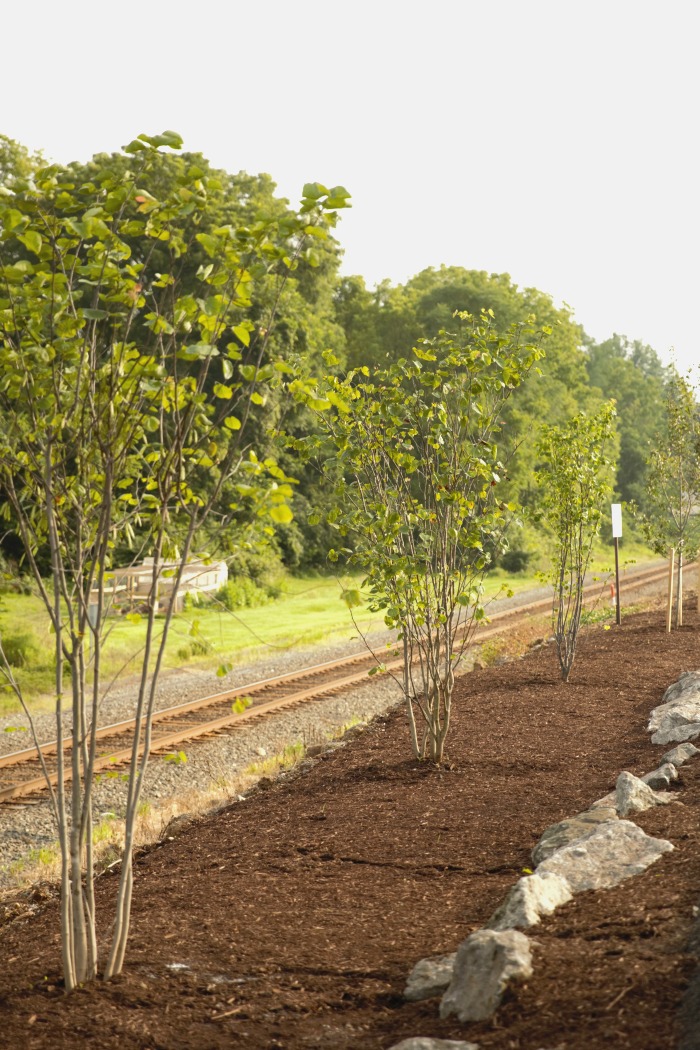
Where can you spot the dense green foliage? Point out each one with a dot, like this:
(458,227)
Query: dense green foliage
(318,310)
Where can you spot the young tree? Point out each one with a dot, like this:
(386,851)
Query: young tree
(126,403)
(574,475)
(417,501)
(672,509)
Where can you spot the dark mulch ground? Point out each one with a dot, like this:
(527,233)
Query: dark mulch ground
(299,912)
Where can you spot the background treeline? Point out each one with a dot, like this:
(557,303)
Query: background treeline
(318,310)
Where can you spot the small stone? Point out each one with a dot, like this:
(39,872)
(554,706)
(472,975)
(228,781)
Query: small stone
(566,831)
(606,856)
(662,777)
(632,795)
(486,963)
(429,977)
(261,751)
(532,897)
(678,755)
(422,1042)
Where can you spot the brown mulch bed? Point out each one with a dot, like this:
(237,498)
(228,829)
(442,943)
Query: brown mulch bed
(291,920)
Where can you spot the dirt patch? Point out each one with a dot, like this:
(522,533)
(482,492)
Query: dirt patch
(291,920)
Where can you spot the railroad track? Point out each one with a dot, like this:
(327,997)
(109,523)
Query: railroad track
(21,776)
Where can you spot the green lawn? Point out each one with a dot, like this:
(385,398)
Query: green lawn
(310,611)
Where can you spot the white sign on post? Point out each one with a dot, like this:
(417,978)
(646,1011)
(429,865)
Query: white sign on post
(616,509)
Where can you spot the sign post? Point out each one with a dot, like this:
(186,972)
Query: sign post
(616,509)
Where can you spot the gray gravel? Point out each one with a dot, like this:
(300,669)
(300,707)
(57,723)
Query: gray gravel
(212,765)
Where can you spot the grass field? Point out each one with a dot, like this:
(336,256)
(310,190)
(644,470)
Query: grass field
(310,611)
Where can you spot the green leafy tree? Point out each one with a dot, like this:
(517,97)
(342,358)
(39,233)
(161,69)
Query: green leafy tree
(632,374)
(575,477)
(16,161)
(672,505)
(380,324)
(417,500)
(128,395)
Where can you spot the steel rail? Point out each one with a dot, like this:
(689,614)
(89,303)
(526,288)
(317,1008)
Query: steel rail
(262,709)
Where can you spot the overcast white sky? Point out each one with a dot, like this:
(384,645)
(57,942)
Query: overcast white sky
(554,140)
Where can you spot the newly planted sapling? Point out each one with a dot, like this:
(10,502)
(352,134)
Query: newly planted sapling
(417,505)
(672,520)
(575,477)
(127,400)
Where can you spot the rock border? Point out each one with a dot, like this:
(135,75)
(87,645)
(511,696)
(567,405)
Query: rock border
(596,849)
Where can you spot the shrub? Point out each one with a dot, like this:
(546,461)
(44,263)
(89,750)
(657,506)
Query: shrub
(20,647)
(515,560)
(242,593)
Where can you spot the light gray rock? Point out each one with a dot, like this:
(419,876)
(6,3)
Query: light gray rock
(662,777)
(689,681)
(422,1042)
(632,795)
(566,831)
(486,963)
(606,856)
(678,755)
(681,712)
(532,897)
(677,733)
(429,977)
(606,802)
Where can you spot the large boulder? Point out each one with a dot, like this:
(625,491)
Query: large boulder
(422,1042)
(486,963)
(679,708)
(688,682)
(676,733)
(606,856)
(532,897)
(571,829)
(632,795)
(429,977)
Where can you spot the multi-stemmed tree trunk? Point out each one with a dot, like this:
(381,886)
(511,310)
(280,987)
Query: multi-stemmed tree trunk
(126,401)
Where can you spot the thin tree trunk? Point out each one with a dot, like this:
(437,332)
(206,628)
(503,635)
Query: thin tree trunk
(669,601)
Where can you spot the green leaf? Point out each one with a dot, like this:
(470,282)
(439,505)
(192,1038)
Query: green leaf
(352,598)
(232,423)
(221,390)
(242,332)
(314,191)
(198,351)
(282,514)
(31,240)
(133,617)
(135,146)
(240,704)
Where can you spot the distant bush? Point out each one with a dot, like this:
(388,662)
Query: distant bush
(243,593)
(11,584)
(20,647)
(515,560)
